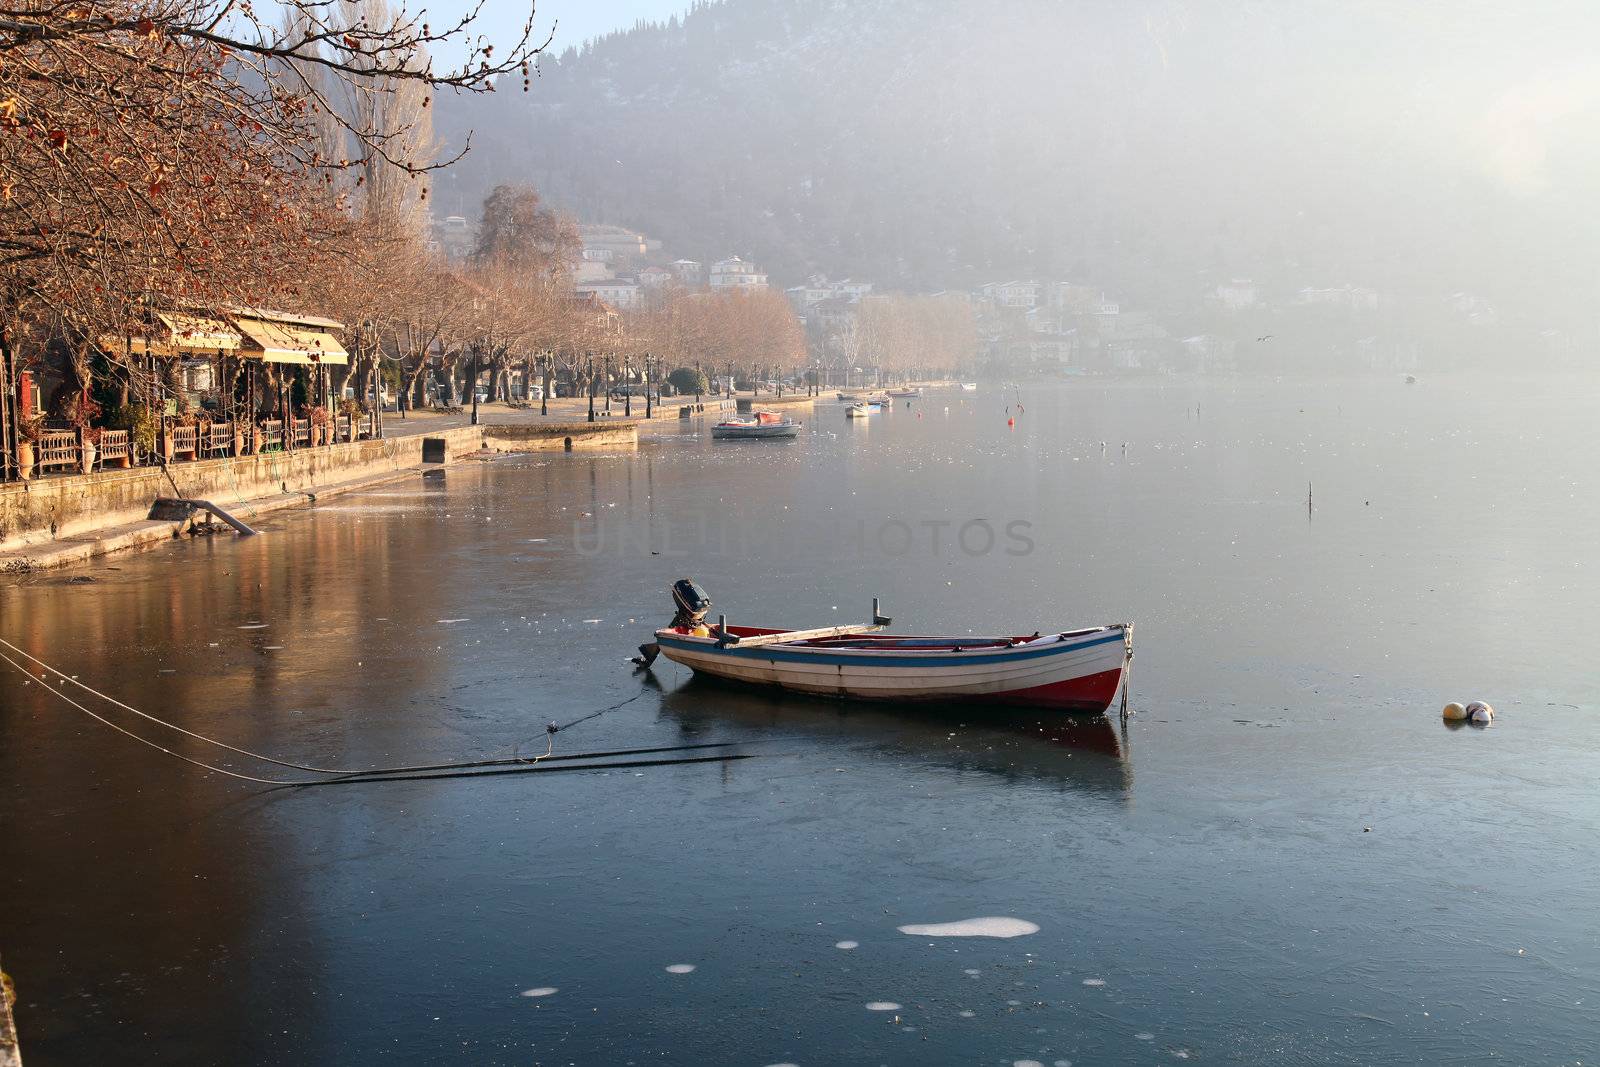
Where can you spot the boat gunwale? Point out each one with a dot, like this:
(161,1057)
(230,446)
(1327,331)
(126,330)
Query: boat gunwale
(801,651)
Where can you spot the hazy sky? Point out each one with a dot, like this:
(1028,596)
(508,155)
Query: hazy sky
(575,21)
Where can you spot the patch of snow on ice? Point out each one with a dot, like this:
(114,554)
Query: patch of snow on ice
(987,926)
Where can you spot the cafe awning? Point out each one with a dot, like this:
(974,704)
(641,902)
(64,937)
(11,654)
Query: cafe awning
(182,336)
(275,341)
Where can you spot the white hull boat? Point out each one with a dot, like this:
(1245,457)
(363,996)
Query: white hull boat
(762,425)
(1076,670)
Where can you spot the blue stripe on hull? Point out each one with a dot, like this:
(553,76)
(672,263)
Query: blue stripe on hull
(875,659)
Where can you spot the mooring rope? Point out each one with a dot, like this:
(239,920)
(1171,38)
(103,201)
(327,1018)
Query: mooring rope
(162,722)
(337,773)
(142,740)
(402,774)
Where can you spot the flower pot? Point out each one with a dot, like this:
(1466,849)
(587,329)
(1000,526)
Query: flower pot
(25,459)
(238,442)
(255,440)
(89,452)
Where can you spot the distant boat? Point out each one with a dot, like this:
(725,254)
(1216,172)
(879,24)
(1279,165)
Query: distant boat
(850,398)
(860,411)
(1076,670)
(969,387)
(763,424)
(905,394)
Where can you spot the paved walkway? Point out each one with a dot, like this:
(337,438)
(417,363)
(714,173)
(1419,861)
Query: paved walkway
(563,409)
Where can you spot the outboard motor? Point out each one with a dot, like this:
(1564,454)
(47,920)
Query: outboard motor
(691,603)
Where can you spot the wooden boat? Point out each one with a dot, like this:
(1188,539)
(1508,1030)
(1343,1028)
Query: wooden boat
(1076,670)
(857,411)
(760,425)
(969,387)
(905,394)
(849,398)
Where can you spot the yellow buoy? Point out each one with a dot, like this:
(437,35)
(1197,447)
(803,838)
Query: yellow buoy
(1454,711)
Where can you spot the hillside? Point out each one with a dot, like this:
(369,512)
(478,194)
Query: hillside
(1153,146)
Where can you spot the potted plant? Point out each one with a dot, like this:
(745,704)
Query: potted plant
(89,440)
(319,422)
(28,431)
(80,412)
(352,409)
(238,437)
(142,429)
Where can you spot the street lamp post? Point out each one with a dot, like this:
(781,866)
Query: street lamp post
(472,383)
(627,386)
(698,378)
(606,363)
(544,390)
(648,407)
(591,388)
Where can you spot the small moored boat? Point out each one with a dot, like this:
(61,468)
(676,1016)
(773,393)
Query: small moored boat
(1074,670)
(905,394)
(969,387)
(762,424)
(858,411)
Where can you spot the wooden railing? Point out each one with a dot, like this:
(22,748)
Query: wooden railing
(272,435)
(58,448)
(218,439)
(343,429)
(116,448)
(185,440)
(302,432)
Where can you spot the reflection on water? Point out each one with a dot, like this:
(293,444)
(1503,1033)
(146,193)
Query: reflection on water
(1305,867)
(1072,752)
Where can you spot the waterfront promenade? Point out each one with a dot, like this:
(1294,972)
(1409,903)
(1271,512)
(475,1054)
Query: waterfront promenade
(65,520)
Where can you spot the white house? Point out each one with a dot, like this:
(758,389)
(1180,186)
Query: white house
(689,272)
(735,273)
(620,293)
(656,277)
(1012,294)
(614,242)
(818,289)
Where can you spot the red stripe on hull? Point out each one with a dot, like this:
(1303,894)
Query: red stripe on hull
(1093,692)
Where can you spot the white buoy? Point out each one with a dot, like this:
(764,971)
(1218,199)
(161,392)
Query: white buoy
(1454,711)
(1478,711)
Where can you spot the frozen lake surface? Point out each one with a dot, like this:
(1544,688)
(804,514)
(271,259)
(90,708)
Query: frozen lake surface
(1285,857)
